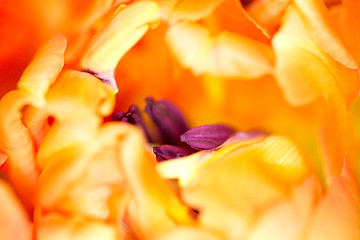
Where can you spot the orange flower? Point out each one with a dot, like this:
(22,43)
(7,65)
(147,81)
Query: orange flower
(279,76)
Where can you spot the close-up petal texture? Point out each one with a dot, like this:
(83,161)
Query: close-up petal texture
(178,119)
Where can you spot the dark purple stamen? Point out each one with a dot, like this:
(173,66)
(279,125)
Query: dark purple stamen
(133,116)
(168,118)
(207,137)
(166,152)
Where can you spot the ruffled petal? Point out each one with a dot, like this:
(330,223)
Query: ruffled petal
(16,142)
(74,97)
(44,68)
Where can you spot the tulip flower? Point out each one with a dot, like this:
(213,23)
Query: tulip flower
(209,119)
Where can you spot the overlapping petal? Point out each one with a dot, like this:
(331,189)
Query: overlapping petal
(88,177)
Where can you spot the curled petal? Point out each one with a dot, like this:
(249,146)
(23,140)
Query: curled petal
(227,55)
(74,97)
(110,44)
(44,68)
(76,94)
(207,136)
(17,144)
(322,28)
(300,81)
(37,121)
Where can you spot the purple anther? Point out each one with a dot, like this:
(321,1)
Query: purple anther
(133,116)
(207,137)
(168,118)
(165,152)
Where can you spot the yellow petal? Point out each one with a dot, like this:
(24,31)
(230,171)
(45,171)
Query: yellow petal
(323,30)
(174,11)
(154,209)
(303,70)
(270,167)
(44,68)
(185,168)
(226,55)
(76,96)
(17,144)
(112,42)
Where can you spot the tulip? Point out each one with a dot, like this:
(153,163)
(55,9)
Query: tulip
(250,130)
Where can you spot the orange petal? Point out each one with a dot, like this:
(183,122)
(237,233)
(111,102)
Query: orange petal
(13,217)
(17,144)
(267,13)
(36,120)
(337,216)
(230,15)
(44,68)
(350,13)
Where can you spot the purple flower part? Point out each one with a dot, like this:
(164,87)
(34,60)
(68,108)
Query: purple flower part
(165,152)
(168,119)
(133,116)
(207,137)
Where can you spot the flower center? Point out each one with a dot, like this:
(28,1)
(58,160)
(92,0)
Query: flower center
(176,139)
